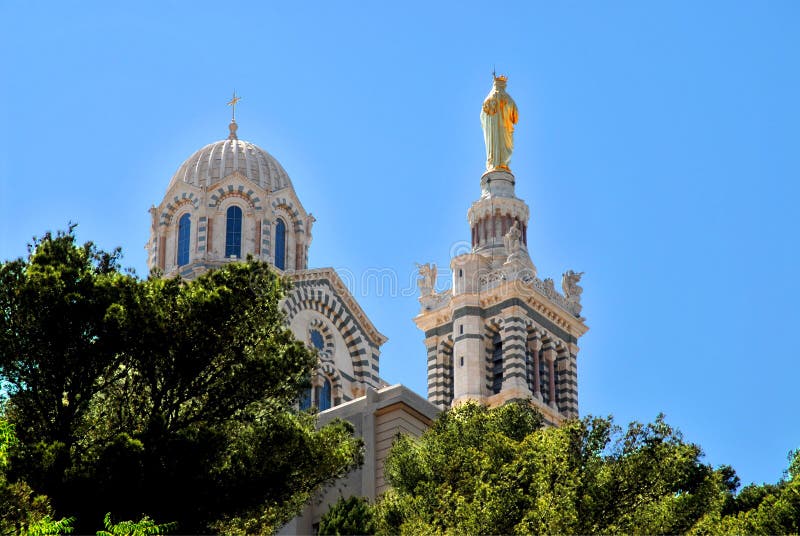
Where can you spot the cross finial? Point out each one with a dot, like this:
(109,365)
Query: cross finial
(232,103)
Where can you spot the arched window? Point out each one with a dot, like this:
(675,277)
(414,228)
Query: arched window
(544,377)
(305,399)
(184,231)
(497,363)
(280,244)
(317,340)
(233,233)
(324,397)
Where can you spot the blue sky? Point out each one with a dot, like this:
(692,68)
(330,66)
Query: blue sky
(657,148)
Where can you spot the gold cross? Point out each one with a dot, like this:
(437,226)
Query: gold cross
(232,103)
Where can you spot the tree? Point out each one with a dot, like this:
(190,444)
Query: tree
(760,509)
(60,338)
(452,478)
(22,511)
(162,397)
(353,515)
(497,471)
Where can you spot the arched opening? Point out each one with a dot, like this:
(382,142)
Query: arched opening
(233,233)
(324,394)
(305,399)
(497,363)
(544,370)
(184,232)
(533,347)
(280,244)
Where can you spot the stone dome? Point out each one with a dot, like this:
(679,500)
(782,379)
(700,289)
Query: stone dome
(217,160)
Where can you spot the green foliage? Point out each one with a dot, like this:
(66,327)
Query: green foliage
(162,396)
(286,477)
(474,472)
(21,510)
(47,526)
(455,478)
(353,515)
(143,527)
(7,440)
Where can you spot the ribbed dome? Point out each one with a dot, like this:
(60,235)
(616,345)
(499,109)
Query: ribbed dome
(217,160)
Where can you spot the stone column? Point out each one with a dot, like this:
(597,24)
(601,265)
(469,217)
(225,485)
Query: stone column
(162,252)
(564,387)
(571,382)
(266,240)
(515,381)
(469,354)
(440,372)
(200,247)
(436,395)
(536,346)
(430,347)
(298,257)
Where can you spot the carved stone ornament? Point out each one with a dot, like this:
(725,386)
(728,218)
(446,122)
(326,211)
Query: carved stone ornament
(569,284)
(427,281)
(512,239)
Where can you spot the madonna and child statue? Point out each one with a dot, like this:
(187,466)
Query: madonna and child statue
(498,117)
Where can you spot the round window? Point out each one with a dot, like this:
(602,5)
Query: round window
(317,340)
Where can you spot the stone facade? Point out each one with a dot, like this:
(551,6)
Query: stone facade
(319,301)
(378,417)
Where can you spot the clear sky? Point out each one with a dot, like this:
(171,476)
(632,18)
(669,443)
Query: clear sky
(658,148)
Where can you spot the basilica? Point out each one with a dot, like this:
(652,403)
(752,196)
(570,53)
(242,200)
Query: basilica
(499,333)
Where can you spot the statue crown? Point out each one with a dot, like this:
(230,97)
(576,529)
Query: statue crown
(501,78)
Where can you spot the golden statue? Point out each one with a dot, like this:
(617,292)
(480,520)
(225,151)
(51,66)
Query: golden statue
(498,116)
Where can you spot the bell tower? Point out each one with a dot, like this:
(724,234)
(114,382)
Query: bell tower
(500,333)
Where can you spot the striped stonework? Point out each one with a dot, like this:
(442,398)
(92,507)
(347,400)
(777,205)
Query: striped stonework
(533,375)
(514,337)
(492,329)
(286,205)
(266,240)
(440,373)
(323,292)
(434,396)
(178,201)
(327,338)
(297,240)
(235,190)
(516,351)
(329,370)
(567,384)
(549,380)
